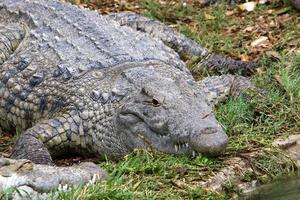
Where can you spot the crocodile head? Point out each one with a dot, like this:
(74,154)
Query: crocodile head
(165,112)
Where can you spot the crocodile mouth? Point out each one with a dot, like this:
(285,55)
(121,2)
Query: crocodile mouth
(206,139)
(152,138)
(182,148)
(209,141)
(165,143)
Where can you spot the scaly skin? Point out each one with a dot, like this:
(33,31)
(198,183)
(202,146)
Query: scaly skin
(185,47)
(74,81)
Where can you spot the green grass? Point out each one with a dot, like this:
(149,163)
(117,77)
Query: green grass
(252,124)
(274,112)
(151,175)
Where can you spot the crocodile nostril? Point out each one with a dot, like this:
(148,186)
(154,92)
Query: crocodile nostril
(210,141)
(209,130)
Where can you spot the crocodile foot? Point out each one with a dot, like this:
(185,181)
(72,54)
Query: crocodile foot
(35,181)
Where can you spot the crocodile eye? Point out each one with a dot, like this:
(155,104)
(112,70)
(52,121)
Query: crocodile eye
(155,102)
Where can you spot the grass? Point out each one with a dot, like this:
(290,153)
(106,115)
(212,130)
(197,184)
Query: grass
(156,176)
(266,116)
(252,124)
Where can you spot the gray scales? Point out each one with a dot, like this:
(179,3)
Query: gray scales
(73,81)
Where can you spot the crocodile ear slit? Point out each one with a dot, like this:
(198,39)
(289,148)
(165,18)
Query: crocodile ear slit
(144,91)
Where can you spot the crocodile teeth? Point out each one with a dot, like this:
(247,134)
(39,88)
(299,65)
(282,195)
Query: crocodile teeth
(186,145)
(193,153)
(176,148)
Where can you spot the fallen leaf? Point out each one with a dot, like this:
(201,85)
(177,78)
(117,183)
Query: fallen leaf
(249,6)
(262,1)
(273,54)
(209,17)
(259,41)
(77,2)
(136,185)
(244,57)
(181,170)
(278,79)
(294,42)
(229,12)
(249,28)
(129,6)
(273,24)
(259,71)
(179,184)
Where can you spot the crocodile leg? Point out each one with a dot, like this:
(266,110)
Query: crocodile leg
(218,88)
(185,47)
(51,138)
(11,36)
(35,181)
(31,170)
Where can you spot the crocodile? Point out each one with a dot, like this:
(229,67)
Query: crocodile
(76,82)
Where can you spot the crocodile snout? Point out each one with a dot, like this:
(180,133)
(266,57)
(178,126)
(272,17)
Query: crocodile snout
(209,140)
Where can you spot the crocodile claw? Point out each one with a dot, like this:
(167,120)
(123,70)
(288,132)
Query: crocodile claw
(35,179)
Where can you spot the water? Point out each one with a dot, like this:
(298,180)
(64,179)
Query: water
(288,189)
